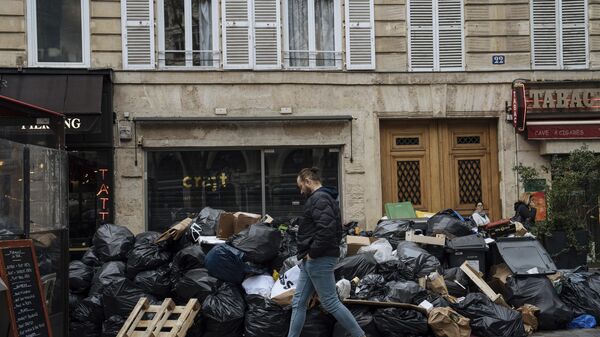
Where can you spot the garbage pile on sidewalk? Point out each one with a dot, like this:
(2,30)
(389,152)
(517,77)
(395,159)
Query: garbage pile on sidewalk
(420,277)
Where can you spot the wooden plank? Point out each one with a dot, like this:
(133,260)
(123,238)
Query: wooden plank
(390,28)
(129,326)
(390,12)
(192,306)
(162,314)
(475,276)
(496,12)
(438,240)
(497,28)
(507,44)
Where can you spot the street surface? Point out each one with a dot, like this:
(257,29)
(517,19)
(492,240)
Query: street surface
(569,333)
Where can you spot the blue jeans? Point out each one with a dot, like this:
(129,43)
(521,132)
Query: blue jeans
(317,274)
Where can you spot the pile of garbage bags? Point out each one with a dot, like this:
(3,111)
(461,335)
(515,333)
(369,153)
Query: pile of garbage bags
(394,287)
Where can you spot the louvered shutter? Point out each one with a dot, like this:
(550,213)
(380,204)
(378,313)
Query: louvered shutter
(421,35)
(137,23)
(574,35)
(545,34)
(236,34)
(360,35)
(267,41)
(450,34)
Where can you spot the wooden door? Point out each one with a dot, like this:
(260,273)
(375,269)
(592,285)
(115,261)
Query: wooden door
(441,164)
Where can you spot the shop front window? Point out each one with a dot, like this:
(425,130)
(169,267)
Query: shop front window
(181,183)
(90,193)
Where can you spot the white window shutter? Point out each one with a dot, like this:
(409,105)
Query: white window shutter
(574,34)
(137,23)
(360,34)
(236,34)
(421,35)
(545,34)
(267,41)
(450,34)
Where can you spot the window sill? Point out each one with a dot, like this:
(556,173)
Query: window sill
(58,65)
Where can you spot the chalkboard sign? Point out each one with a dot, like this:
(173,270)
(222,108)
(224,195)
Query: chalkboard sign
(27,307)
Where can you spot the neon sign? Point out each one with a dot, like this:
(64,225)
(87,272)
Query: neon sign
(211,183)
(103,195)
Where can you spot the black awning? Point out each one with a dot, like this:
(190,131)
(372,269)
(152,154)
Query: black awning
(68,94)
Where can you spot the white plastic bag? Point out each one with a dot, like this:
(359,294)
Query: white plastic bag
(259,285)
(343,288)
(382,248)
(285,288)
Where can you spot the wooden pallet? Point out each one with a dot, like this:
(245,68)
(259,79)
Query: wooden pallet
(160,320)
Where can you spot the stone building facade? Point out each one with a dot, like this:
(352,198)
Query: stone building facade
(425,120)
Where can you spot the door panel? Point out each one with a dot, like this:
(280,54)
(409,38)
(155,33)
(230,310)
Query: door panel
(441,164)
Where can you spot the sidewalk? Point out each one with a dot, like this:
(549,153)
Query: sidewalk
(569,333)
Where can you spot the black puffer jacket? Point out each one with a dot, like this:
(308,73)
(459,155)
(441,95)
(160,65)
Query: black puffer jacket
(320,229)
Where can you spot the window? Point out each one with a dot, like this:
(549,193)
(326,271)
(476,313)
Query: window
(188,33)
(313,33)
(435,38)
(559,31)
(60,33)
(181,183)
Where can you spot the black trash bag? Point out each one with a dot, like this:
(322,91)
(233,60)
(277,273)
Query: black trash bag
(417,259)
(489,319)
(288,264)
(90,309)
(449,223)
(74,300)
(253,269)
(265,318)
(371,287)
(80,277)
(457,282)
(155,282)
(146,256)
(438,301)
(396,322)
(393,230)
(112,242)
(208,220)
(260,242)
(90,258)
(226,263)
(121,296)
(579,296)
(107,274)
(224,312)
(195,283)
(85,329)
(593,281)
(317,324)
(364,317)
(539,291)
(147,238)
(395,270)
(359,265)
(112,326)
(190,257)
(403,291)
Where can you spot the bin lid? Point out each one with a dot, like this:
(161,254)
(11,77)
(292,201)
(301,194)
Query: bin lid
(525,256)
(469,242)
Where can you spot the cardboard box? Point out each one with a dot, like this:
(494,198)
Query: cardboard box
(244,220)
(438,240)
(355,242)
(233,223)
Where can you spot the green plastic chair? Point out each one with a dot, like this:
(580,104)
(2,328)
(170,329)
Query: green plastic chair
(400,210)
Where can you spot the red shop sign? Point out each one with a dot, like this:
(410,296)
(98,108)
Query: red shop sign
(540,132)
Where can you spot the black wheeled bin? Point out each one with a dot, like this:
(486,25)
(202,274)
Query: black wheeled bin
(470,248)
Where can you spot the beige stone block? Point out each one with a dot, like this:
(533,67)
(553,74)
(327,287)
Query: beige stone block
(9,58)
(393,12)
(13,41)
(595,42)
(390,28)
(12,24)
(105,9)
(106,43)
(391,62)
(497,28)
(498,44)
(497,12)
(512,61)
(495,2)
(12,7)
(391,2)
(105,26)
(595,26)
(594,10)
(390,44)
(595,60)
(107,60)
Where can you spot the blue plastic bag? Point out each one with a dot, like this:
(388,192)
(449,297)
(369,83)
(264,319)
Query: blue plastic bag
(226,263)
(583,322)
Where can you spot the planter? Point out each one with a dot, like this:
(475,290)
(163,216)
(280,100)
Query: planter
(564,255)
